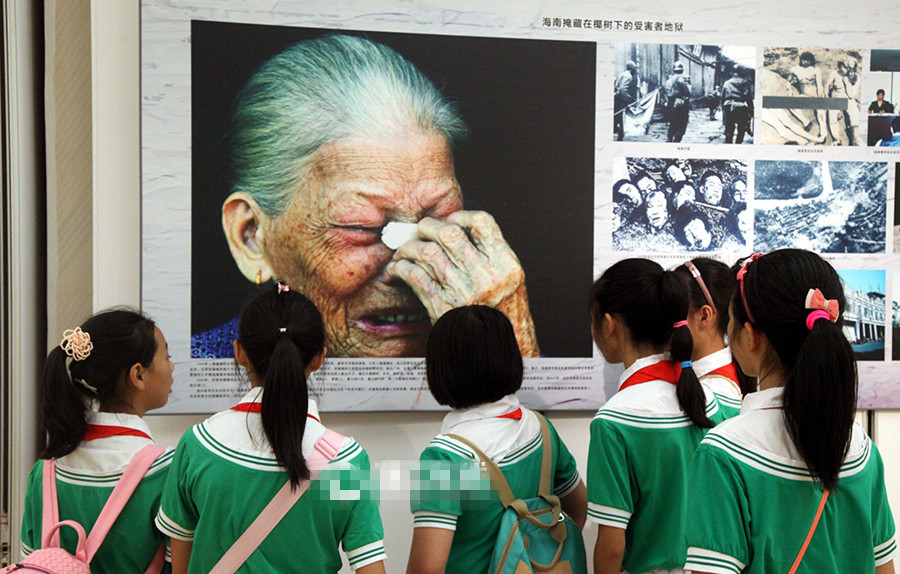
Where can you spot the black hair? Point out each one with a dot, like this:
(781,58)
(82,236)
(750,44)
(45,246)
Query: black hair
(879,92)
(895,125)
(121,338)
(472,357)
(649,301)
(282,333)
(820,368)
(808,57)
(640,174)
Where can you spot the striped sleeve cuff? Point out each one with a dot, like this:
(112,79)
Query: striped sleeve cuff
(26,550)
(608,516)
(427,519)
(365,555)
(568,486)
(171,529)
(886,552)
(701,560)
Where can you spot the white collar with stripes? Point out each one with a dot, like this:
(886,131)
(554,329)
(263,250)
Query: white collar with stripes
(712,361)
(255,395)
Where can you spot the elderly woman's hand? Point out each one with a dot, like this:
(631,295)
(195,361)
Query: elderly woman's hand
(464,260)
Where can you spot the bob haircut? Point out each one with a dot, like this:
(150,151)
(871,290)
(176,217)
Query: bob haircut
(472,357)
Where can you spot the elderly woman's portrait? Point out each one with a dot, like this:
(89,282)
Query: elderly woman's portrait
(390,178)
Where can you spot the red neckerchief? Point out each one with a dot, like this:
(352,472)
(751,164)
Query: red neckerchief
(103,431)
(728,370)
(257,407)
(516,414)
(667,371)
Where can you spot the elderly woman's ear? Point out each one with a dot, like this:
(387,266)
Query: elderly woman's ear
(241,222)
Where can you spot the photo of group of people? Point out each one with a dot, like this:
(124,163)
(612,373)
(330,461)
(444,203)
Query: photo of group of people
(823,206)
(674,93)
(810,96)
(669,205)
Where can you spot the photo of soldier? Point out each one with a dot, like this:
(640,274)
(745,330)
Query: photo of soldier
(676,91)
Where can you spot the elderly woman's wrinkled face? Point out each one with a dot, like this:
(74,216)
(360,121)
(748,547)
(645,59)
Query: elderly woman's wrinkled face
(712,190)
(327,243)
(697,235)
(657,210)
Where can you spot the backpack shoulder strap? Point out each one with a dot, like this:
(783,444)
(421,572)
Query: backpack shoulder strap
(326,449)
(809,534)
(50,506)
(498,481)
(126,486)
(546,457)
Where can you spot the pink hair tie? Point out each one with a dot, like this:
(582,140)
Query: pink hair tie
(679,324)
(815,316)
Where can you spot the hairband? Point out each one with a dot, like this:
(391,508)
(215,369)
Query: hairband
(679,324)
(282,288)
(85,384)
(686,364)
(822,308)
(76,343)
(696,274)
(740,277)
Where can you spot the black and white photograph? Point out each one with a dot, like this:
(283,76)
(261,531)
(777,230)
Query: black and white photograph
(811,96)
(895,318)
(896,208)
(882,90)
(680,205)
(865,312)
(688,93)
(823,206)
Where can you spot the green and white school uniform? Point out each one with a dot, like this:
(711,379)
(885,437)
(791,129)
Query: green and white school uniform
(450,493)
(638,463)
(223,475)
(84,480)
(717,373)
(753,501)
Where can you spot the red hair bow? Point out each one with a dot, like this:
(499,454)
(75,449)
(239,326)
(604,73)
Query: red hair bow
(815,300)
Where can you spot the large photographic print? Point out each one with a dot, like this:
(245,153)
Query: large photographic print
(823,206)
(499,126)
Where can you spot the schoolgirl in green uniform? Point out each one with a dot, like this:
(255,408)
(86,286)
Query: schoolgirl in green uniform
(793,484)
(474,365)
(643,438)
(710,287)
(228,468)
(96,386)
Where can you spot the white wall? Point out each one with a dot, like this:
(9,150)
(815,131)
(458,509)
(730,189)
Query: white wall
(398,436)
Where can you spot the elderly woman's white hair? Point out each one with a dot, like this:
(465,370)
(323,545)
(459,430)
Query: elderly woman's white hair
(324,90)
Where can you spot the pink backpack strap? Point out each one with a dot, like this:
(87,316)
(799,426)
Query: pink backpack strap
(50,509)
(132,476)
(158,561)
(327,448)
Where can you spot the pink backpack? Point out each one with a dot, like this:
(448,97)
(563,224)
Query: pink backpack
(51,558)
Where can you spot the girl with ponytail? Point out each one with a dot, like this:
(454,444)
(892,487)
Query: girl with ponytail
(643,438)
(710,287)
(228,468)
(793,482)
(95,388)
